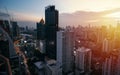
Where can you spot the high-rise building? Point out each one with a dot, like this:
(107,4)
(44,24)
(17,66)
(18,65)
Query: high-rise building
(5,25)
(51,16)
(118,65)
(110,65)
(15,29)
(41,36)
(65,48)
(116,38)
(101,34)
(51,27)
(107,45)
(83,61)
(107,67)
(41,30)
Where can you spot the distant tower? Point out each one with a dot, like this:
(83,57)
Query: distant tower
(111,64)
(106,67)
(118,65)
(117,37)
(101,34)
(83,61)
(105,45)
(51,22)
(15,29)
(6,26)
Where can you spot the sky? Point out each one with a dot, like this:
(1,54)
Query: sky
(71,12)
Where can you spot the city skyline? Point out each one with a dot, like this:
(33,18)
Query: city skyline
(76,12)
(52,50)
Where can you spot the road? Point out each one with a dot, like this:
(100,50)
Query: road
(18,51)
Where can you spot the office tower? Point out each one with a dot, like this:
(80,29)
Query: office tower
(41,36)
(65,48)
(107,66)
(51,22)
(101,34)
(51,16)
(110,64)
(83,61)
(116,38)
(118,65)
(40,30)
(15,29)
(107,45)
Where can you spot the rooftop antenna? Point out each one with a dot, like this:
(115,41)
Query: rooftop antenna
(7,13)
(9,16)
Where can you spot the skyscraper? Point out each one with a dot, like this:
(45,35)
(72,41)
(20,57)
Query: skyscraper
(5,25)
(40,30)
(65,48)
(111,64)
(41,36)
(83,61)
(107,66)
(107,45)
(51,22)
(51,16)
(15,29)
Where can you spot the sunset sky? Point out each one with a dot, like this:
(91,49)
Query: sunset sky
(72,12)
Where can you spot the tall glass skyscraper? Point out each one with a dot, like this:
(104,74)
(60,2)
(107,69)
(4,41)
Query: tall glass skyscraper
(51,23)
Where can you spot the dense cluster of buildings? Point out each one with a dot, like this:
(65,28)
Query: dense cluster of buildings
(104,44)
(90,50)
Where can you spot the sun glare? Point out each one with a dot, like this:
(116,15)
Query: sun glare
(115,15)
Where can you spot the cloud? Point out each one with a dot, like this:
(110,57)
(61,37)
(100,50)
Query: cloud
(86,17)
(78,17)
(110,11)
